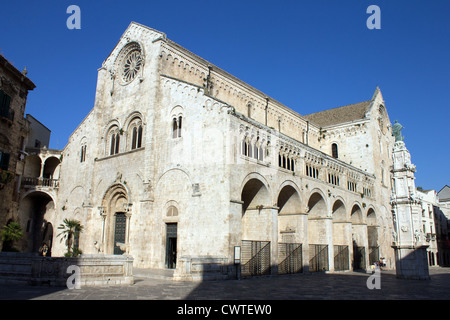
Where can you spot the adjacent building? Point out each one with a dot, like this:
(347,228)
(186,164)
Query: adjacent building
(14,88)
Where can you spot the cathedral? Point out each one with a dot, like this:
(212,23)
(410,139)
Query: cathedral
(183,166)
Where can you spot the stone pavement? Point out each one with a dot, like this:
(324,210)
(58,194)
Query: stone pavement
(341,286)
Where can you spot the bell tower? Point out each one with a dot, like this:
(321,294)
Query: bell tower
(410,250)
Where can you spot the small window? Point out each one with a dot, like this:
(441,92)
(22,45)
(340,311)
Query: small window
(115,141)
(4,160)
(176,127)
(139,138)
(180,120)
(172,211)
(5,101)
(83,153)
(134,139)
(334,150)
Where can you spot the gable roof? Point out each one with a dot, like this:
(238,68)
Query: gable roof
(351,112)
(444,194)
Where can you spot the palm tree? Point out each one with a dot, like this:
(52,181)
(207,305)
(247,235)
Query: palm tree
(10,233)
(71,230)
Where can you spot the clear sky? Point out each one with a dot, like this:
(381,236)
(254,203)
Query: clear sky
(309,55)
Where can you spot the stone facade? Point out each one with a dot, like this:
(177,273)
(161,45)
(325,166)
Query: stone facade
(14,87)
(180,162)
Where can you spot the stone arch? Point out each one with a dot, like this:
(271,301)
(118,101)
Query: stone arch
(359,237)
(256,219)
(33,164)
(116,215)
(134,131)
(288,198)
(290,217)
(342,235)
(356,215)
(339,211)
(317,219)
(317,205)
(174,188)
(112,138)
(51,168)
(36,209)
(372,235)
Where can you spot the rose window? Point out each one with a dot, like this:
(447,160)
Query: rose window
(131,66)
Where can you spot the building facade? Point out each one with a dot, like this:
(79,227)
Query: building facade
(182,165)
(14,88)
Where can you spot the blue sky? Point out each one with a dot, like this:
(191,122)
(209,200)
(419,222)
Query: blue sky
(309,55)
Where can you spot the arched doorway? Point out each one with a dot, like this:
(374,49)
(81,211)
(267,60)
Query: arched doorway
(341,236)
(290,225)
(359,236)
(47,238)
(35,212)
(318,233)
(372,236)
(116,218)
(257,228)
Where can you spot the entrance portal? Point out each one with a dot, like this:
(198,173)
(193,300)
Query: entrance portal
(119,233)
(171,245)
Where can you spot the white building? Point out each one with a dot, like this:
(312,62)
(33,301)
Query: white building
(179,162)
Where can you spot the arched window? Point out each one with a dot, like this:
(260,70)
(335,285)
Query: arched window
(334,150)
(113,144)
(112,140)
(244,147)
(116,150)
(172,211)
(176,127)
(83,153)
(134,139)
(180,120)
(139,138)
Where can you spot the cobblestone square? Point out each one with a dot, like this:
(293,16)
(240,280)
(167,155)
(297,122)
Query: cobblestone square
(311,286)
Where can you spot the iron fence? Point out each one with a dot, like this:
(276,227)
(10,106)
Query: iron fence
(374,254)
(255,257)
(341,258)
(318,254)
(291,257)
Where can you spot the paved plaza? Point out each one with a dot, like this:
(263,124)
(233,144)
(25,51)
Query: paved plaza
(342,286)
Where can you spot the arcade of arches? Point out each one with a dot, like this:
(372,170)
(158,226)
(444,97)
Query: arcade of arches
(333,234)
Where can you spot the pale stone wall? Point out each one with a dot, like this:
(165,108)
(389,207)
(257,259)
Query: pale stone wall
(221,195)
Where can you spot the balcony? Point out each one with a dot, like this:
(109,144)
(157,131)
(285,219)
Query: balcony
(32,182)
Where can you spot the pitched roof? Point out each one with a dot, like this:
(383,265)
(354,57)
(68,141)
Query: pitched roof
(343,114)
(444,194)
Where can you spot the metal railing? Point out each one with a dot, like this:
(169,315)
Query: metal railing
(318,254)
(255,258)
(290,255)
(341,258)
